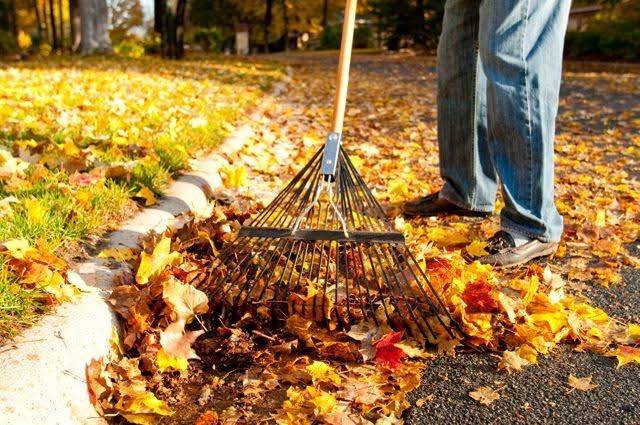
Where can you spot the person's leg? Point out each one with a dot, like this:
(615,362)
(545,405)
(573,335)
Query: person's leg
(465,161)
(521,44)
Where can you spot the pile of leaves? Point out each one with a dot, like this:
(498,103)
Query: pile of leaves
(175,355)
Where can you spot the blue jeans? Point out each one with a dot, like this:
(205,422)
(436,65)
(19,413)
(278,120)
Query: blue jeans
(499,71)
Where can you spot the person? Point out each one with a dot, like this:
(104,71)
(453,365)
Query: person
(499,72)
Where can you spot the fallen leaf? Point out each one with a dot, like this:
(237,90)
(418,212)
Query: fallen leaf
(582,384)
(147,195)
(626,354)
(511,361)
(36,211)
(387,354)
(152,264)
(485,395)
(176,347)
(477,249)
(322,372)
(185,300)
(477,297)
(16,248)
(118,254)
(234,177)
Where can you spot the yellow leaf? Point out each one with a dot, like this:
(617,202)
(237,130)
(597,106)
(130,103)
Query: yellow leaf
(582,384)
(118,254)
(626,354)
(528,353)
(115,342)
(601,218)
(234,177)
(146,404)
(167,361)
(17,248)
(322,372)
(634,332)
(152,264)
(70,149)
(148,196)
(324,403)
(398,188)
(554,320)
(356,161)
(36,212)
(477,249)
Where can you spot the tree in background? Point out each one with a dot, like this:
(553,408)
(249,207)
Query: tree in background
(169,22)
(8,26)
(268,17)
(54,35)
(126,15)
(94,25)
(407,22)
(74,26)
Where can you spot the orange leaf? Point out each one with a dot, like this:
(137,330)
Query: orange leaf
(477,296)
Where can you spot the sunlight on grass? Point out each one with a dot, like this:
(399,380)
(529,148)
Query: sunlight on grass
(80,137)
(18,308)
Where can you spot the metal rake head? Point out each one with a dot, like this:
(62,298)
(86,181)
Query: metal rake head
(324,249)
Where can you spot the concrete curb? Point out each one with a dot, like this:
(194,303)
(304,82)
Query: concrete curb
(43,371)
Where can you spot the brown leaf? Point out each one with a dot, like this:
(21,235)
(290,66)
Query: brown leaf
(185,300)
(582,384)
(485,395)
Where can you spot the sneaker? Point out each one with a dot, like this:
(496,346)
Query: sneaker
(432,205)
(504,252)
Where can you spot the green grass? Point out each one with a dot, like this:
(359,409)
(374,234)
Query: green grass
(18,308)
(65,219)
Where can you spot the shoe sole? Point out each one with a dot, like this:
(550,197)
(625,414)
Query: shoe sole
(471,214)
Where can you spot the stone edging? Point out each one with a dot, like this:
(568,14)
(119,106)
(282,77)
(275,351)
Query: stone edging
(42,372)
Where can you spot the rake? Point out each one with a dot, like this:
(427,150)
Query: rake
(324,249)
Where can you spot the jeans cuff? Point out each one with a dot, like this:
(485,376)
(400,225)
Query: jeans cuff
(510,226)
(444,194)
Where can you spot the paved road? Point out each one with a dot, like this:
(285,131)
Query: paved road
(593,104)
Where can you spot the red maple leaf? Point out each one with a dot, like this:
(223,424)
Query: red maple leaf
(387,354)
(477,296)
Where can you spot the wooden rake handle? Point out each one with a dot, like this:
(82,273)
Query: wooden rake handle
(344,63)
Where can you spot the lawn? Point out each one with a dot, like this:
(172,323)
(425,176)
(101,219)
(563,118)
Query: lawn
(84,141)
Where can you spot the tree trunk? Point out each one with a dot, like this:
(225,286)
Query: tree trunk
(94,27)
(45,25)
(170,21)
(285,19)
(38,21)
(61,27)
(325,14)
(180,19)
(267,23)
(54,33)
(159,7)
(420,37)
(74,25)
(13,19)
